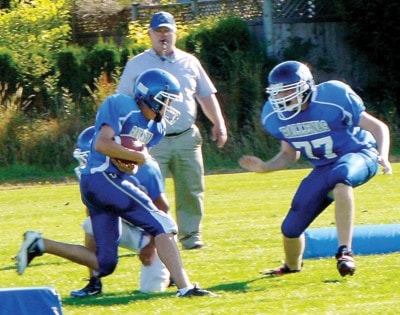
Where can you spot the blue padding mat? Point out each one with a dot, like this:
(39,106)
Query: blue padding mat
(30,301)
(367,240)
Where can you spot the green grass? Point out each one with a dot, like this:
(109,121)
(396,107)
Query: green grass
(242,236)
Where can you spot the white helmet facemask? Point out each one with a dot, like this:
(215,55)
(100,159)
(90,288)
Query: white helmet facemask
(171,114)
(284,106)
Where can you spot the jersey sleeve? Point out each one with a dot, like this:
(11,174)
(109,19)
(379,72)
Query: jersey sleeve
(108,114)
(356,105)
(344,96)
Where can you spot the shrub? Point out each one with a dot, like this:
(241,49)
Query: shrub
(9,75)
(103,58)
(73,71)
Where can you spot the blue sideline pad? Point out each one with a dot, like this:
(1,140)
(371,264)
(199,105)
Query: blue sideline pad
(30,301)
(367,240)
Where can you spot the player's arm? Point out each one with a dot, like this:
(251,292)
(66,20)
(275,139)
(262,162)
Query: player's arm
(381,133)
(286,156)
(106,145)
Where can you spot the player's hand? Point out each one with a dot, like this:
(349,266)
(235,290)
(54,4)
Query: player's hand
(130,168)
(252,163)
(386,166)
(142,156)
(146,254)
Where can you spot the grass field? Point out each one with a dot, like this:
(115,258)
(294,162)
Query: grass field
(242,236)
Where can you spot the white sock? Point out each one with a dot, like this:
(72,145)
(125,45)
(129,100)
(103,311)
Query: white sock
(183,290)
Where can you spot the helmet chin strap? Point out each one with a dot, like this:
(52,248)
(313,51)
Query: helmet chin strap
(158,117)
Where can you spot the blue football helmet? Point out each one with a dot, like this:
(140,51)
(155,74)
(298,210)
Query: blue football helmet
(158,88)
(83,144)
(290,76)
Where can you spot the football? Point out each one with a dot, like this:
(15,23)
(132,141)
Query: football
(130,143)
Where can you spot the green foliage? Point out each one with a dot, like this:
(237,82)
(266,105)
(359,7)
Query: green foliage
(103,58)
(37,142)
(138,34)
(73,70)
(374,32)
(5,4)
(62,85)
(11,121)
(42,24)
(33,31)
(241,231)
(9,75)
(216,41)
(239,68)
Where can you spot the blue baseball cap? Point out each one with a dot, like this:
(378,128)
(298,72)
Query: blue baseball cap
(162,19)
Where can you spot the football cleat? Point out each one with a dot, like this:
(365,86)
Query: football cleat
(345,262)
(31,247)
(280,271)
(94,287)
(196,291)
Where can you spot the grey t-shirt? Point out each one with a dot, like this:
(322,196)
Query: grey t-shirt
(186,68)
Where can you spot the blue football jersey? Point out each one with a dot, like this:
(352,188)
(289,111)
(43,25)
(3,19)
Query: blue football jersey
(124,116)
(327,129)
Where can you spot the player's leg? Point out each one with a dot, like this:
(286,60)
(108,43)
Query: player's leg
(309,201)
(154,276)
(294,249)
(95,286)
(132,204)
(349,171)
(76,253)
(169,255)
(35,245)
(344,213)
(163,228)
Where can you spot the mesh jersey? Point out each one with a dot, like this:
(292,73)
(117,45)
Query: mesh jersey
(124,116)
(327,129)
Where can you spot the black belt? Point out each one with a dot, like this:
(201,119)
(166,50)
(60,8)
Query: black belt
(177,133)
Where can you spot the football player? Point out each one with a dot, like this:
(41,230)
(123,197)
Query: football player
(328,125)
(110,192)
(154,276)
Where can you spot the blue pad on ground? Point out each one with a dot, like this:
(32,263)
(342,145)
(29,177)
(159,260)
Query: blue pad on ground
(367,240)
(30,301)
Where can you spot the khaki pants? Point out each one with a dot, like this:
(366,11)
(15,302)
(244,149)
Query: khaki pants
(181,157)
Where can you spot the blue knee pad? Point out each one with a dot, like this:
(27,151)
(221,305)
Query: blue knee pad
(107,267)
